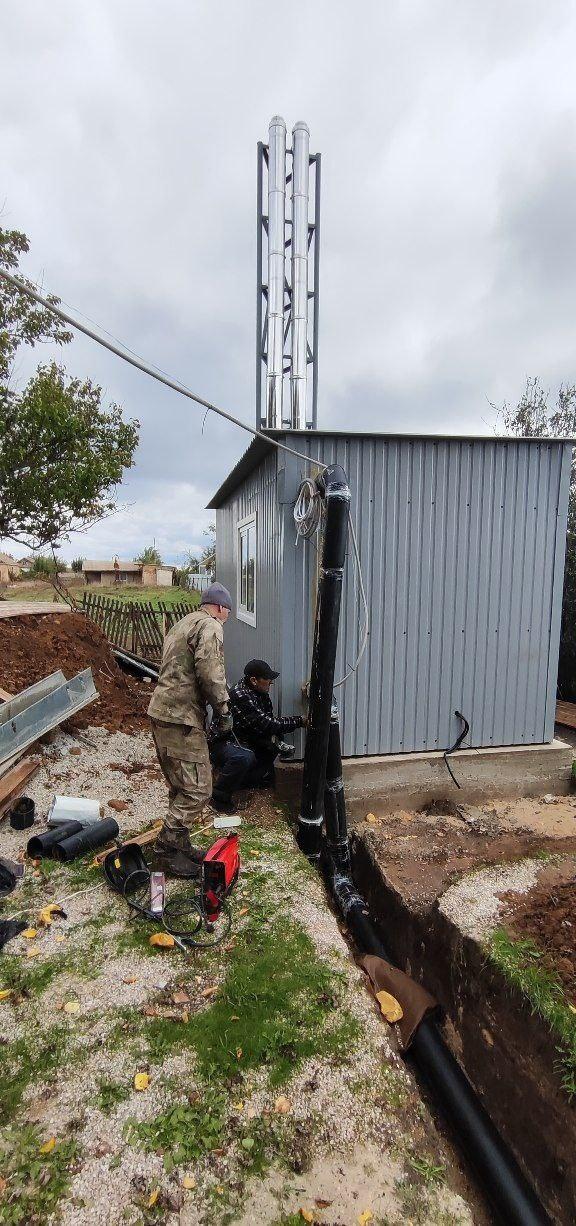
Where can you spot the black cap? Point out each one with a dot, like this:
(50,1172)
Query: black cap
(260,669)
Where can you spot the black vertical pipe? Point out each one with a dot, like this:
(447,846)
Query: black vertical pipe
(318,160)
(333,485)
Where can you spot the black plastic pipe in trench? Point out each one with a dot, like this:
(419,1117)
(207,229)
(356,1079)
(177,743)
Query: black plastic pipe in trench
(323,801)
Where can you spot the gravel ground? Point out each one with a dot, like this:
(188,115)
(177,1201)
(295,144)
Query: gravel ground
(361,1121)
(474,903)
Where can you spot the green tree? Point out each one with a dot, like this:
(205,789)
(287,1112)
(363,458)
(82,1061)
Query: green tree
(534,417)
(61,453)
(208,555)
(76,565)
(44,567)
(149,557)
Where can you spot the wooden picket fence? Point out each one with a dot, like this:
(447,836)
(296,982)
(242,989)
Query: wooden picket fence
(134,625)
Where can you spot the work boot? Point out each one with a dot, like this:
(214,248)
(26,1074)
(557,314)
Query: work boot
(223,803)
(174,854)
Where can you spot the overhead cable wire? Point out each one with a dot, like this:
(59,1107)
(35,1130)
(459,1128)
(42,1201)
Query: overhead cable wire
(133,359)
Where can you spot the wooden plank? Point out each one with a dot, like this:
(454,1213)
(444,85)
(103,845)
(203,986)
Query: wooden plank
(566,714)
(12,784)
(4,695)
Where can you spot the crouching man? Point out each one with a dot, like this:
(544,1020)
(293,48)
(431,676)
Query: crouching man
(191,677)
(246,760)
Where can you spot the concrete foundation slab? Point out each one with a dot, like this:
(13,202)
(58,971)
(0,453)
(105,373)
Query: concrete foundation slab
(410,781)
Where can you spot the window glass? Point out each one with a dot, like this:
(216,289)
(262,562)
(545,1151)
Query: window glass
(247,569)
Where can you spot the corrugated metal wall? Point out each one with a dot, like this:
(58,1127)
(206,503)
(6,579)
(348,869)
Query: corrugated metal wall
(462,550)
(241,641)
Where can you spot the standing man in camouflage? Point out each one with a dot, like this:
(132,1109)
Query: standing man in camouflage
(191,677)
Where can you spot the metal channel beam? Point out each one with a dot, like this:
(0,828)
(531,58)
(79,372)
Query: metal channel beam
(33,694)
(40,714)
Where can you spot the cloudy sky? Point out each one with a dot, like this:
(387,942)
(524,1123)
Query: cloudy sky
(448,274)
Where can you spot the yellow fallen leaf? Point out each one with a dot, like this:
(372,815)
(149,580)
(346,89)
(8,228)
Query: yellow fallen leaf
(185,1015)
(237,1106)
(238,1053)
(572,1008)
(282,1105)
(243,911)
(235,1018)
(210,991)
(5,993)
(371,817)
(389,1006)
(117,863)
(189,1181)
(48,1146)
(219,1189)
(305,1213)
(141,1081)
(164,939)
(32,951)
(47,914)
(60,938)
(153,1197)
(30,933)
(365,1217)
(73,1007)
(253,853)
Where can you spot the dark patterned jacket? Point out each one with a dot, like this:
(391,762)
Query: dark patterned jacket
(254,720)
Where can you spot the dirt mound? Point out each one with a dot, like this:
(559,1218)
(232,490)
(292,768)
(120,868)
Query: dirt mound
(548,916)
(33,646)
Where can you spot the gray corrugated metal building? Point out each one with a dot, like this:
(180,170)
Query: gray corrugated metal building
(462,549)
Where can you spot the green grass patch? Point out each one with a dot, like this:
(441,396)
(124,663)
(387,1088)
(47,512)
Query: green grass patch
(29,978)
(431,1172)
(520,962)
(186,1131)
(26,1061)
(285,1001)
(111,1094)
(35,1182)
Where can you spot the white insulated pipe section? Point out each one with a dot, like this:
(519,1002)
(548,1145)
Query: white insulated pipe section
(276,276)
(300,193)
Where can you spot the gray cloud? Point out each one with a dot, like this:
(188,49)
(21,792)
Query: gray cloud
(449,171)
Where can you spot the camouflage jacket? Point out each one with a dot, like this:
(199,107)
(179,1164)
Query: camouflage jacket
(192,672)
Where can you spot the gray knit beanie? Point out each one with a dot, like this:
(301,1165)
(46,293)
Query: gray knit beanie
(217,594)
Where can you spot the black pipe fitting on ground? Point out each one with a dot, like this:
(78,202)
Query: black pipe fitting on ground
(333,485)
(88,839)
(43,844)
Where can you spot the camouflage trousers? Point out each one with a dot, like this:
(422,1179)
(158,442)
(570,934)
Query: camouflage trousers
(183,756)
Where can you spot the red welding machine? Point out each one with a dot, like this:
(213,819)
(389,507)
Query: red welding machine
(220,869)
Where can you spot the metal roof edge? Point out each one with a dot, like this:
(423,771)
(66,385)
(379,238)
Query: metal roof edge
(260,447)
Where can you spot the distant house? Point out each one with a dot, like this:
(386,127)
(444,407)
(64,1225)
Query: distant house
(105,573)
(25,563)
(9,568)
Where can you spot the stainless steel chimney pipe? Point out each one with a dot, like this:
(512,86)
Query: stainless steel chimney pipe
(276,276)
(300,193)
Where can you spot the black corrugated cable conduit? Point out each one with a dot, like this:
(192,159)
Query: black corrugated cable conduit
(323,800)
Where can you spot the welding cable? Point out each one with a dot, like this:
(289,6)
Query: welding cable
(127,355)
(457,744)
(176,910)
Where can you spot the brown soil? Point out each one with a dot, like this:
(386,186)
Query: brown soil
(547,915)
(34,646)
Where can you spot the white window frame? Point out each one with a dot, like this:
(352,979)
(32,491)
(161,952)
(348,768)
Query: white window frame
(242,613)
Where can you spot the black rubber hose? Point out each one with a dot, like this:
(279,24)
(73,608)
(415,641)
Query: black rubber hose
(87,839)
(43,844)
